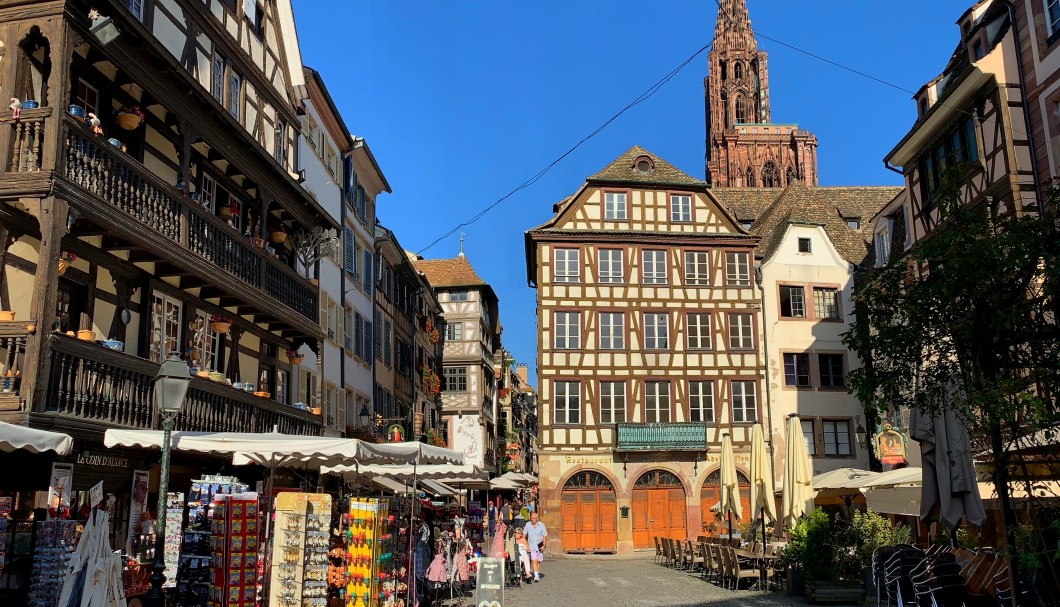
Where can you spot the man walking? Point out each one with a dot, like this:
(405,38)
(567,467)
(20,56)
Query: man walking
(536,536)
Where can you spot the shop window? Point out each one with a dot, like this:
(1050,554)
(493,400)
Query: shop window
(86,96)
(69,303)
(166,313)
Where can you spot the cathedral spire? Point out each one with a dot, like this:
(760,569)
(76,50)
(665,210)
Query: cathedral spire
(744,147)
(732,19)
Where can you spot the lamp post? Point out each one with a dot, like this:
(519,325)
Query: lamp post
(171,385)
(364,417)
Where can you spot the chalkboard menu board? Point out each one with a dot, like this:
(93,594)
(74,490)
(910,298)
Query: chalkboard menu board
(489,587)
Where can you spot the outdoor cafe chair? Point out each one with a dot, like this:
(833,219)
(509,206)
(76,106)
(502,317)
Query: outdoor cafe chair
(658,549)
(694,556)
(739,572)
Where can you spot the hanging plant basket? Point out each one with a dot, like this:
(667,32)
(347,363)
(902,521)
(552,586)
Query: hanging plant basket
(224,213)
(220,327)
(295,360)
(277,237)
(63,265)
(128,121)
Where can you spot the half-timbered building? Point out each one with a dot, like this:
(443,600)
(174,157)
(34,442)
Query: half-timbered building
(470,371)
(148,169)
(648,351)
(971,125)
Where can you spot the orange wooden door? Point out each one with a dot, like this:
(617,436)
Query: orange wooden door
(569,514)
(588,520)
(608,518)
(642,537)
(678,514)
(708,498)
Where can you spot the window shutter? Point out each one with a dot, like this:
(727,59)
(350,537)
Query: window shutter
(349,250)
(344,398)
(314,390)
(358,336)
(368,273)
(303,379)
(367,340)
(323,313)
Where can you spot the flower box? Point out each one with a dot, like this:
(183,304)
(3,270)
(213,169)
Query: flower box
(220,327)
(277,237)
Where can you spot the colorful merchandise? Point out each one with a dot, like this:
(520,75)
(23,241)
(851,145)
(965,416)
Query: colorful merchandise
(56,539)
(233,576)
(299,565)
(195,564)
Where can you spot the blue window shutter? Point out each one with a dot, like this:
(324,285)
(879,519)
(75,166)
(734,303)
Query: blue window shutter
(368,273)
(349,250)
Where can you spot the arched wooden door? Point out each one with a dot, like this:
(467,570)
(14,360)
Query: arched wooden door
(658,508)
(709,497)
(589,516)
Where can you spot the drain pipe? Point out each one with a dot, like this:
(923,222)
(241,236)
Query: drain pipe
(765,348)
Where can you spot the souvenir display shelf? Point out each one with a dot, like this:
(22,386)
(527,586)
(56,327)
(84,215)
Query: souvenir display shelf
(196,545)
(299,564)
(55,543)
(233,576)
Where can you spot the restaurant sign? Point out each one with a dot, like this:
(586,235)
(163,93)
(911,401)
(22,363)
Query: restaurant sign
(890,445)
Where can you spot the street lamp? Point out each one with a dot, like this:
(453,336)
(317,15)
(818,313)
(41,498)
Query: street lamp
(364,416)
(171,385)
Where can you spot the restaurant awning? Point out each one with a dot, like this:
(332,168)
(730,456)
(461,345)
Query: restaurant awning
(23,438)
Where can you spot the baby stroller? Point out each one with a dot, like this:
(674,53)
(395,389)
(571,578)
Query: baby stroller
(513,577)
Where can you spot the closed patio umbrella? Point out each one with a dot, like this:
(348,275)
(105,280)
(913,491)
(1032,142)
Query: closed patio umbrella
(949,491)
(797,494)
(761,495)
(730,491)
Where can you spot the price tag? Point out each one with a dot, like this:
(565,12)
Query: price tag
(95,495)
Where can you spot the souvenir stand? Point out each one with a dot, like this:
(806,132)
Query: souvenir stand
(299,564)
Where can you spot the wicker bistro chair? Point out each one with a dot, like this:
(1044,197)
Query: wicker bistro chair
(694,556)
(737,572)
(658,549)
(679,556)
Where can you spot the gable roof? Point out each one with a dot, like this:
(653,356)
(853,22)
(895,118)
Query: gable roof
(622,170)
(455,272)
(828,207)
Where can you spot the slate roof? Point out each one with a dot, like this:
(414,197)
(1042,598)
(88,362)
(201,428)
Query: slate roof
(829,207)
(455,272)
(621,169)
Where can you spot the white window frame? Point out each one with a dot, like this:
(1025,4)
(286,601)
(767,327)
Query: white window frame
(612,402)
(566,265)
(455,377)
(796,304)
(697,268)
(566,403)
(566,329)
(610,266)
(824,306)
(657,402)
(162,340)
(741,335)
(882,242)
(744,396)
(737,269)
(680,208)
(701,401)
(800,369)
(697,331)
(653,267)
(811,440)
(656,331)
(615,206)
(612,328)
(1052,24)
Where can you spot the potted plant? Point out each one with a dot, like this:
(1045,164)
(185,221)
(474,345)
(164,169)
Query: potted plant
(227,212)
(220,324)
(129,118)
(277,233)
(7,315)
(863,535)
(294,357)
(65,261)
(818,554)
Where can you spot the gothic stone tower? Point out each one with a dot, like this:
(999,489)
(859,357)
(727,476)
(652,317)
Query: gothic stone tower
(745,149)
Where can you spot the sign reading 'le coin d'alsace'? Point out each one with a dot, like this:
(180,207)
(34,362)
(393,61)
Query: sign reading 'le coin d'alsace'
(489,589)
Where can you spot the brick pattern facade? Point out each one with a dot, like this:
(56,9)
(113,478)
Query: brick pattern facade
(744,148)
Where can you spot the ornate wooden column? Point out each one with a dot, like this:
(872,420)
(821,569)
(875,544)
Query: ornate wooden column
(52,215)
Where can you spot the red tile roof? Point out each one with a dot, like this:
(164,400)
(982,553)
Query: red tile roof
(455,272)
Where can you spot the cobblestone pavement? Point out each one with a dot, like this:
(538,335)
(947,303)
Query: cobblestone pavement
(609,581)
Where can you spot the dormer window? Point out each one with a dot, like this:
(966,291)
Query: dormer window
(643,165)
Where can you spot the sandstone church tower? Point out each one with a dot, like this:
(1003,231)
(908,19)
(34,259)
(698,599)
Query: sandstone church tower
(745,149)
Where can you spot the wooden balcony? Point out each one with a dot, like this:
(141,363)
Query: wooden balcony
(12,356)
(149,217)
(677,436)
(91,383)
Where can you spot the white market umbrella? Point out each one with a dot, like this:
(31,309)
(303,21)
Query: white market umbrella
(268,449)
(730,488)
(911,476)
(411,452)
(516,478)
(761,493)
(15,438)
(843,478)
(440,472)
(798,492)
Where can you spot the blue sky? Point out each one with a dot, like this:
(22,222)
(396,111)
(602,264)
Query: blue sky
(462,101)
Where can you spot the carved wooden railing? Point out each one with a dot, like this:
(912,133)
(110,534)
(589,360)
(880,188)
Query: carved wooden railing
(26,139)
(93,383)
(12,361)
(116,178)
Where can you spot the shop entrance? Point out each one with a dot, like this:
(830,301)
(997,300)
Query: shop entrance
(588,514)
(658,508)
(710,496)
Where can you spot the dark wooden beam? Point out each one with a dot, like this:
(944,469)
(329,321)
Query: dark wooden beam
(143,256)
(210,292)
(168,269)
(113,243)
(191,282)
